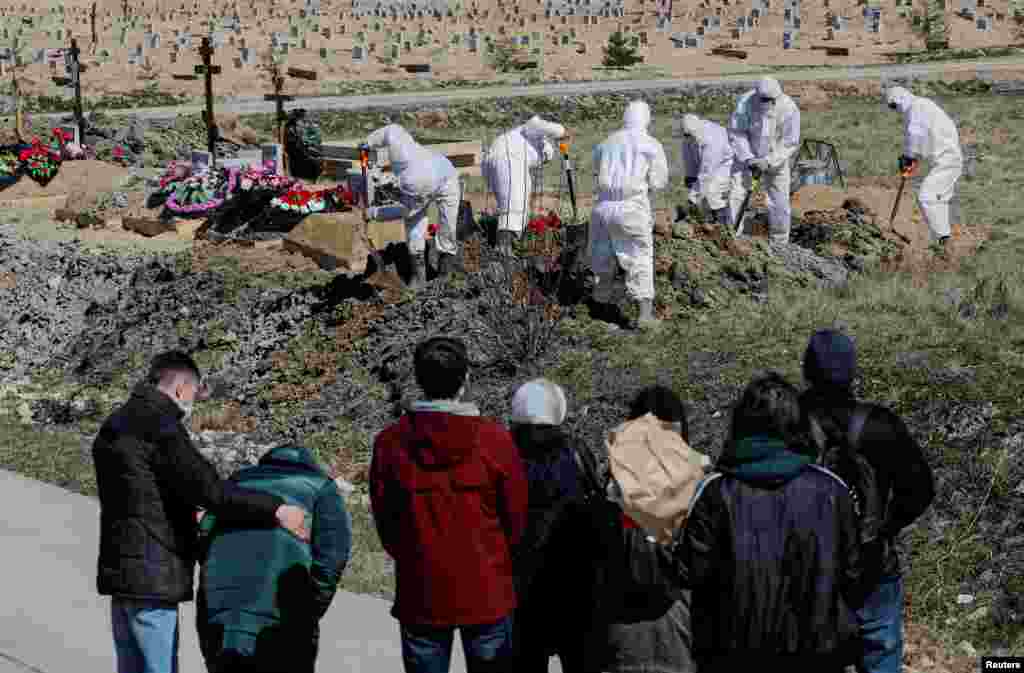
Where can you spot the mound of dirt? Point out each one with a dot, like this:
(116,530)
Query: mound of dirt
(78,180)
(257,258)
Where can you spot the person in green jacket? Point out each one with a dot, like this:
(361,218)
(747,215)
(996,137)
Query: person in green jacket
(262,592)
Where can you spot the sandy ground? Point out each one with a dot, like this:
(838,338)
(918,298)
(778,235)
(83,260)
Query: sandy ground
(571,47)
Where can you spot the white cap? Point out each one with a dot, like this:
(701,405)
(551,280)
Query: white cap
(539,402)
(692,125)
(769,87)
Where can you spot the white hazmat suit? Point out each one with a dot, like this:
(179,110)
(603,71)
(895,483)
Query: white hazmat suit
(930,134)
(508,164)
(626,165)
(765,134)
(708,158)
(424,177)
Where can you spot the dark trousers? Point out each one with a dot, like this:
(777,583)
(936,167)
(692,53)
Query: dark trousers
(488,647)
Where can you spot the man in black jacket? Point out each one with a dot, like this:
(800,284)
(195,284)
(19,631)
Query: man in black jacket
(904,490)
(151,482)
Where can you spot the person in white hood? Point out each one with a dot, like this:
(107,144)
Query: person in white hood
(626,165)
(708,159)
(507,169)
(765,134)
(929,134)
(424,177)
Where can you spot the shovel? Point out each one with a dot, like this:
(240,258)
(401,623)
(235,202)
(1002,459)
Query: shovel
(896,206)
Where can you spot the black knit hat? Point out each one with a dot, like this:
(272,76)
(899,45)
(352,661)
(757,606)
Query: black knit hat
(830,360)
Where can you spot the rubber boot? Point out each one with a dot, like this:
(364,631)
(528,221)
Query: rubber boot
(646,320)
(723,217)
(419,270)
(445,264)
(610,314)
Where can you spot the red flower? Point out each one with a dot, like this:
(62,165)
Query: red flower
(432,228)
(25,154)
(119,152)
(537,225)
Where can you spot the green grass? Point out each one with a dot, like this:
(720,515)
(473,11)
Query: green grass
(889,314)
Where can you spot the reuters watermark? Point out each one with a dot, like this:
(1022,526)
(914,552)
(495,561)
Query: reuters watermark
(1002,664)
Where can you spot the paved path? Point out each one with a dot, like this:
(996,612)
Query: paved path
(246,106)
(53,621)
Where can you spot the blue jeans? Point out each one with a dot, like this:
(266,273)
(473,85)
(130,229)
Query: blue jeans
(145,635)
(488,647)
(881,628)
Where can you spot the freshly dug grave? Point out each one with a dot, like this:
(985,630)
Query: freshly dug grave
(254,258)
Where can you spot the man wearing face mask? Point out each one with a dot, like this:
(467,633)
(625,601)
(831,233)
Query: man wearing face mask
(508,169)
(929,134)
(449,498)
(765,134)
(151,481)
(708,159)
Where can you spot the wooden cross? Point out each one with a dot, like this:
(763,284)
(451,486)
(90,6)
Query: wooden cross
(279,99)
(92,16)
(76,69)
(209,70)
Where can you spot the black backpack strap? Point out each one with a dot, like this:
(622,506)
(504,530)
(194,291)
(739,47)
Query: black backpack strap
(857,421)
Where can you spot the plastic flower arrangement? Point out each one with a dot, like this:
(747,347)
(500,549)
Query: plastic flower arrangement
(202,193)
(543,241)
(301,200)
(175,172)
(263,178)
(8,164)
(40,162)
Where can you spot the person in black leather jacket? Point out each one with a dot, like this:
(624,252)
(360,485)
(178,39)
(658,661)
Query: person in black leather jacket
(770,548)
(152,481)
(905,489)
(643,625)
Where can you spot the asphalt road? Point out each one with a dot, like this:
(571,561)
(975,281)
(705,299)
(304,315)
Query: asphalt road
(53,621)
(247,106)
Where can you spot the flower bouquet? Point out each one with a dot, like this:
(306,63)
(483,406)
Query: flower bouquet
(40,162)
(301,200)
(202,193)
(10,167)
(542,235)
(263,178)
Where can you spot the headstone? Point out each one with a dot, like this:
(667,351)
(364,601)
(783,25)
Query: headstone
(201,161)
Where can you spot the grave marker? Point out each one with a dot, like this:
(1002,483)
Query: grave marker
(209,70)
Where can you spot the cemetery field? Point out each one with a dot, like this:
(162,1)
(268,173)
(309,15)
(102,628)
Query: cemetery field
(154,44)
(304,356)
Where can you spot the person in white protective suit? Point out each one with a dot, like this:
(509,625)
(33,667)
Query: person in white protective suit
(765,134)
(507,170)
(628,164)
(929,134)
(708,159)
(424,177)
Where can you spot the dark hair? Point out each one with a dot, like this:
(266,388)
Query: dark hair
(441,365)
(169,364)
(769,405)
(664,404)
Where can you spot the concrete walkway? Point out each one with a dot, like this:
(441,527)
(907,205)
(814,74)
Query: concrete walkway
(53,621)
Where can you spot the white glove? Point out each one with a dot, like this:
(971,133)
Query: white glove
(694,197)
(548,152)
(760,164)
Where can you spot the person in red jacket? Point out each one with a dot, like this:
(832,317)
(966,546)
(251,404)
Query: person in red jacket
(449,499)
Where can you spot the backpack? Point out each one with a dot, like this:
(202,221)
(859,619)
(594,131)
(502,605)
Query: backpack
(657,472)
(840,453)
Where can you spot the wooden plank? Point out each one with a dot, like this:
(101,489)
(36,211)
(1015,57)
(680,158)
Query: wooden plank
(348,150)
(302,74)
(185,77)
(201,69)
